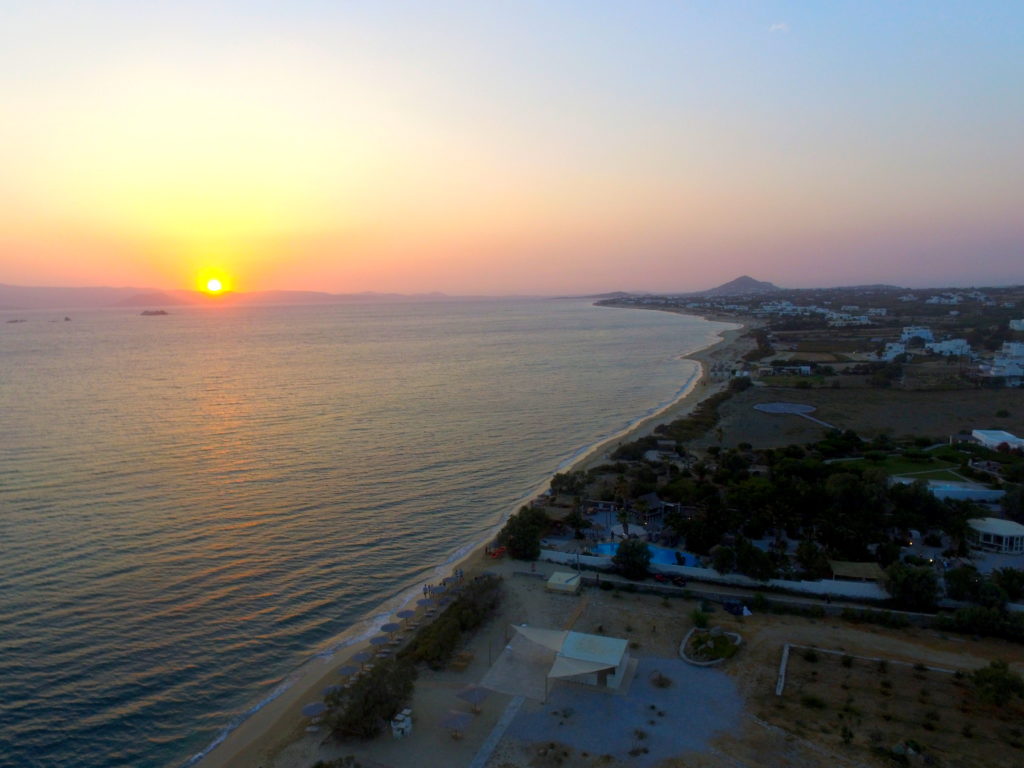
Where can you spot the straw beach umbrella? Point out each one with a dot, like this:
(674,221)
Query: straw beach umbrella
(456,722)
(406,614)
(362,657)
(347,671)
(379,640)
(314,710)
(391,628)
(474,695)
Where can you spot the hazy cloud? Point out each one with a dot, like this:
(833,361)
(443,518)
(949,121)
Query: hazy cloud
(779,26)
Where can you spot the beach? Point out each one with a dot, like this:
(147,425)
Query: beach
(276,735)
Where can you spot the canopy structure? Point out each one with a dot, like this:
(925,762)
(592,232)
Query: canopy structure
(537,655)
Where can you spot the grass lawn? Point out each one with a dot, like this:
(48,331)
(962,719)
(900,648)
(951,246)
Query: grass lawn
(897,465)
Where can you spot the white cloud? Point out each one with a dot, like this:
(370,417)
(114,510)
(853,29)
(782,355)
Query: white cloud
(779,26)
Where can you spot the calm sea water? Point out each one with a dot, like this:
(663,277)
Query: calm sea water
(193,505)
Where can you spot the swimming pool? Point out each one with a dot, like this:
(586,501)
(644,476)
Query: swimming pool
(658,554)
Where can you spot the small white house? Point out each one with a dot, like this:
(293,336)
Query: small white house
(922,332)
(1017,325)
(1013,350)
(949,348)
(993,534)
(893,349)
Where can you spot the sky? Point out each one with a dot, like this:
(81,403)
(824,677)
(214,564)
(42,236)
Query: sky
(511,147)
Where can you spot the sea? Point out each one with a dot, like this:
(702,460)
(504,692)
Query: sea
(194,505)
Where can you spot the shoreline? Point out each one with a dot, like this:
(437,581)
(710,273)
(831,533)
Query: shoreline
(276,721)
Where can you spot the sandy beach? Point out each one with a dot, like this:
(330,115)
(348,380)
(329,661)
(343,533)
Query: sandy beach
(276,735)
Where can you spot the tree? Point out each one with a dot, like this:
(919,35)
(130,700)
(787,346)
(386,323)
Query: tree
(812,560)
(632,558)
(576,520)
(914,588)
(996,684)
(724,559)
(623,517)
(963,583)
(522,533)
(1011,581)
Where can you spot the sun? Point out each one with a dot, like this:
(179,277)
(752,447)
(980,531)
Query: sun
(213,285)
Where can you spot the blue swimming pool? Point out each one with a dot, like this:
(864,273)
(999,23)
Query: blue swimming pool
(658,554)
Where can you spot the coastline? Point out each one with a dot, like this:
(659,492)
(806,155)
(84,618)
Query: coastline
(276,721)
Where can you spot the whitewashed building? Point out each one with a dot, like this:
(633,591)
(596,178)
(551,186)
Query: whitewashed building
(922,332)
(949,347)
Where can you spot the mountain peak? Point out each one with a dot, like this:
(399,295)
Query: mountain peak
(742,286)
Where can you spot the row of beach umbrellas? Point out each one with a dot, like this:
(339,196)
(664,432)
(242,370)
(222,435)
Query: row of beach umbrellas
(316,709)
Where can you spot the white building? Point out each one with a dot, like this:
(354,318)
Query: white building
(893,349)
(922,332)
(1017,325)
(878,311)
(1013,350)
(993,438)
(993,534)
(949,348)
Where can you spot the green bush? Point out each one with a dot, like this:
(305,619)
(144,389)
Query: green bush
(435,643)
(373,700)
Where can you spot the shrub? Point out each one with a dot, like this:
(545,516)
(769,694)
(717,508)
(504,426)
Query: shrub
(373,700)
(700,619)
(435,643)
(632,558)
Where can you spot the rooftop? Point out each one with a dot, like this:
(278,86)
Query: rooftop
(997,526)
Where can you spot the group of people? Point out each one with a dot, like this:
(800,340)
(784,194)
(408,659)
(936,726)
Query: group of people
(457,576)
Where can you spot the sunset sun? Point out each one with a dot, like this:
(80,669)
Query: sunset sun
(214,285)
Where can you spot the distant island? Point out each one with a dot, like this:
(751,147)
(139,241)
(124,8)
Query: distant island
(152,312)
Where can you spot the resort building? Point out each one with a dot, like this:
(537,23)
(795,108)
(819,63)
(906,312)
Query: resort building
(993,438)
(993,534)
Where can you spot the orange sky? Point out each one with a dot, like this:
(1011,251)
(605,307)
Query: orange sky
(509,150)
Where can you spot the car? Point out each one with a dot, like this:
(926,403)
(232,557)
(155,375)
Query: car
(660,578)
(735,607)
(679,581)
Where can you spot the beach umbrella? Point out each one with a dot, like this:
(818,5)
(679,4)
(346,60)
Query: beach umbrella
(347,671)
(445,601)
(456,722)
(379,640)
(474,695)
(362,657)
(391,627)
(315,709)
(424,601)
(331,689)
(437,589)
(406,614)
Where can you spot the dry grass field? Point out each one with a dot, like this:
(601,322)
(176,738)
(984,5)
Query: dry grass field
(867,411)
(873,707)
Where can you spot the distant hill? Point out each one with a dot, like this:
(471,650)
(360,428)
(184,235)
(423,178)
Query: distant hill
(604,296)
(741,286)
(22,297)
(150,299)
